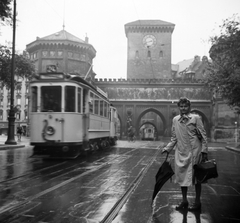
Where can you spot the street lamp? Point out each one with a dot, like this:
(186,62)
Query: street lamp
(11,117)
(236,132)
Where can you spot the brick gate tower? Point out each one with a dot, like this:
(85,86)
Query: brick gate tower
(149,49)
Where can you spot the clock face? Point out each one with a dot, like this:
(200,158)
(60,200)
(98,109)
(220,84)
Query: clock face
(149,41)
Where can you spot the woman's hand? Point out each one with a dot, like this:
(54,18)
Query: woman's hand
(164,150)
(204,157)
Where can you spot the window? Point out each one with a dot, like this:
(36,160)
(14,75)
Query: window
(96,105)
(18,115)
(161,54)
(79,100)
(8,113)
(9,101)
(101,107)
(1,114)
(91,103)
(25,114)
(70,99)
(26,100)
(51,98)
(34,99)
(105,109)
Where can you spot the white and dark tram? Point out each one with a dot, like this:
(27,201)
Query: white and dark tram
(68,115)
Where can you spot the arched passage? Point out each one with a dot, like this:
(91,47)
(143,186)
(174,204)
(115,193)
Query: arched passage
(155,134)
(157,112)
(204,120)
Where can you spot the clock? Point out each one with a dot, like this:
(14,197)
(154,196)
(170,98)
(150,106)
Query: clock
(149,41)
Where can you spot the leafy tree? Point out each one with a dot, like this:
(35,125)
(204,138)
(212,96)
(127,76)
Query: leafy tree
(23,66)
(224,71)
(5,11)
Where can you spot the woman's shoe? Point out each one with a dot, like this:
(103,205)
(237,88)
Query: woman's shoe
(194,207)
(182,205)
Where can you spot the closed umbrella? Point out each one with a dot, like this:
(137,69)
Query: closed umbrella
(164,173)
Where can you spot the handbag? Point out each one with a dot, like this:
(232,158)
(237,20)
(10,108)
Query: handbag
(205,171)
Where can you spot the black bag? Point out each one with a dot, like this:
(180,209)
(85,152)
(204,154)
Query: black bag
(205,171)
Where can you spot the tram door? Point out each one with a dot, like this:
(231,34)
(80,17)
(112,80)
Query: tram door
(85,121)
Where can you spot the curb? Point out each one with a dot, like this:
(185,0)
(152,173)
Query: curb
(5,147)
(233,149)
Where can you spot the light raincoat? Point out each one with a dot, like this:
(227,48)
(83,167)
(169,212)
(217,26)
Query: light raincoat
(188,147)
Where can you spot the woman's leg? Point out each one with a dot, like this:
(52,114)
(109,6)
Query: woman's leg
(184,203)
(184,193)
(198,189)
(197,204)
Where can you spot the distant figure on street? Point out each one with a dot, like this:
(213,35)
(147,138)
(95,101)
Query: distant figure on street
(131,134)
(190,142)
(19,132)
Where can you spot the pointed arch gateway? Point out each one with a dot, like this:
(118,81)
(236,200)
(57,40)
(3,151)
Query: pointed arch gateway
(156,111)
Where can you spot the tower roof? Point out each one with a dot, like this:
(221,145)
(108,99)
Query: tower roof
(62,35)
(149,26)
(149,23)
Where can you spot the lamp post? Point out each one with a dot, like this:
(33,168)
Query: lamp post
(11,117)
(236,133)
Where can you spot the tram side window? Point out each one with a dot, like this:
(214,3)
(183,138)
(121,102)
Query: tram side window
(105,109)
(70,97)
(91,103)
(96,105)
(34,99)
(101,107)
(79,100)
(51,98)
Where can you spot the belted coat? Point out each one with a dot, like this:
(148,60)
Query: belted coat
(188,147)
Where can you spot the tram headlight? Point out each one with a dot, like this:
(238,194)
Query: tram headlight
(50,130)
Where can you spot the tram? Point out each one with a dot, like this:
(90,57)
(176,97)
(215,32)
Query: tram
(68,116)
(148,133)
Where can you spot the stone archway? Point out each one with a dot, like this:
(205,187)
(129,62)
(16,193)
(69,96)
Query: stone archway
(145,112)
(204,120)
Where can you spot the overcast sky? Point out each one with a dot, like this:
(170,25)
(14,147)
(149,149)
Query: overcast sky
(103,21)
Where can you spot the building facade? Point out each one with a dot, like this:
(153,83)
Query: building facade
(147,98)
(21,100)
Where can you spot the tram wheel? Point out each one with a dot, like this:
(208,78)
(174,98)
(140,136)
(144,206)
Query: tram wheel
(107,144)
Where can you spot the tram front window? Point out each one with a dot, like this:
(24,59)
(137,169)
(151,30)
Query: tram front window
(51,98)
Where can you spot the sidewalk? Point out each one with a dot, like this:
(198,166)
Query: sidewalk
(24,142)
(233,146)
(120,143)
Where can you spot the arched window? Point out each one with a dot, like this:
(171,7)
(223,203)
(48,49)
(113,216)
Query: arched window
(161,54)
(25,114)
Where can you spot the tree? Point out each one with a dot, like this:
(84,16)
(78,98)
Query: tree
(224,71)
(23,66)
(5,11)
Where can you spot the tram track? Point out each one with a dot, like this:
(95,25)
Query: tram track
(119,204)
(36,172)
(17,205)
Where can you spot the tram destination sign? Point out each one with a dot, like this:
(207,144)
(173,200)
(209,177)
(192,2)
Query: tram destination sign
(48,76)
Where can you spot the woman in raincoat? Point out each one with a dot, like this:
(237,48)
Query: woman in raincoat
(190,143)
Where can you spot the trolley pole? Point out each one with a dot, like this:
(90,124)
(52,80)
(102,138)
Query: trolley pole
(11,117)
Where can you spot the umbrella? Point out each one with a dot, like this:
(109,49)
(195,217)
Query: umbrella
(164,173)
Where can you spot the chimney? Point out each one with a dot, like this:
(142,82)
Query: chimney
(86,39)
